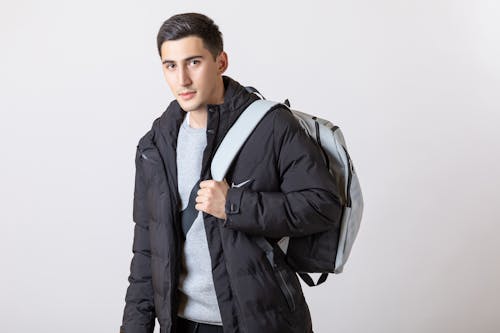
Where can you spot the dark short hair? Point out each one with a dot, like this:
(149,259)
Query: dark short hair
(191,24)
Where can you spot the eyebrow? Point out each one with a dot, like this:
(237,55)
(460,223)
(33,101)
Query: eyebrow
(186,59)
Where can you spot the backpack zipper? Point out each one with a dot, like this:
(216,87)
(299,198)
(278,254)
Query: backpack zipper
(349,177)
(318,140)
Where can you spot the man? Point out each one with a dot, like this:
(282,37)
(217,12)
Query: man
(196,264)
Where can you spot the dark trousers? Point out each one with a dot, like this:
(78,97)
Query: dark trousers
(188,326)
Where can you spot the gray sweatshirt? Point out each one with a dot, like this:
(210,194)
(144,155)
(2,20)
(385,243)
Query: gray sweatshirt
(198,301)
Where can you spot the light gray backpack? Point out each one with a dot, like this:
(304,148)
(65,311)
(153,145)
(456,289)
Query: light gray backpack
(300,254)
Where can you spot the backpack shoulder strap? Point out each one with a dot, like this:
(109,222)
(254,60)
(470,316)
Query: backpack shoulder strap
(237,135)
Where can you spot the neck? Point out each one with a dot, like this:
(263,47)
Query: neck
(197,119)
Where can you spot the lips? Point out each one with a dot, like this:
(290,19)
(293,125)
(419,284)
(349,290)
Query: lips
(187,95)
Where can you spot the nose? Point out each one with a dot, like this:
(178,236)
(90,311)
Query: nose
(183,77)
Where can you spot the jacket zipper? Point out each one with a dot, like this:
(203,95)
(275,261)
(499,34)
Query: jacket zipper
(287,292)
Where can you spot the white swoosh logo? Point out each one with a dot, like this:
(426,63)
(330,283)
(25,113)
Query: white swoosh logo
(240,184)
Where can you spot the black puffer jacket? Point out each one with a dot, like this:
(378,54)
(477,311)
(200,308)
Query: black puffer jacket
(289,194)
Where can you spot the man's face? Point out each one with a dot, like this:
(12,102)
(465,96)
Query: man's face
(192,73)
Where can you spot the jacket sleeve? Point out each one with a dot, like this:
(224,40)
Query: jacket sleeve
(308,201)
(139,313)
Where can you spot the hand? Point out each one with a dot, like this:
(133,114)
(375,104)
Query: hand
(211,198)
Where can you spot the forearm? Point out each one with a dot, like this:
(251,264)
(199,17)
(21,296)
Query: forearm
(278,214)
(139,313)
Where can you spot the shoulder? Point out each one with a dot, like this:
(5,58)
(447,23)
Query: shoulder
(147,140)
(285,124)
(284,120)
(160,123)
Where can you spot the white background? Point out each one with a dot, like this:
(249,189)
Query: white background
(413,84)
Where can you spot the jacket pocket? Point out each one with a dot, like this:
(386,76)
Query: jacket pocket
(286,288)
(152,169)
(150,161)
(285,278)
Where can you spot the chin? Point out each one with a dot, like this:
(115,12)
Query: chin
(185,106)
(189,106)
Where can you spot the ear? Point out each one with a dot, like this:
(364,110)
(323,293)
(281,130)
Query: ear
(222,62)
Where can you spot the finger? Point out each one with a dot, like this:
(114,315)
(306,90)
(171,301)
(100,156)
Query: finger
(204,184)
(200,207)
(204,208)
(207,183)
(205,192)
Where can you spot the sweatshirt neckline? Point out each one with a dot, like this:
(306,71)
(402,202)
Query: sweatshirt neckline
(190,129)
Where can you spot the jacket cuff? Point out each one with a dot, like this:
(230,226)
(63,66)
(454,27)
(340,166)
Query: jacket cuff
(233,202)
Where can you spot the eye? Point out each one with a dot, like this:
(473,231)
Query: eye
(194,62)
(170,66)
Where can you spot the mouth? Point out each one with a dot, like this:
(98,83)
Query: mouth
(187,95)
